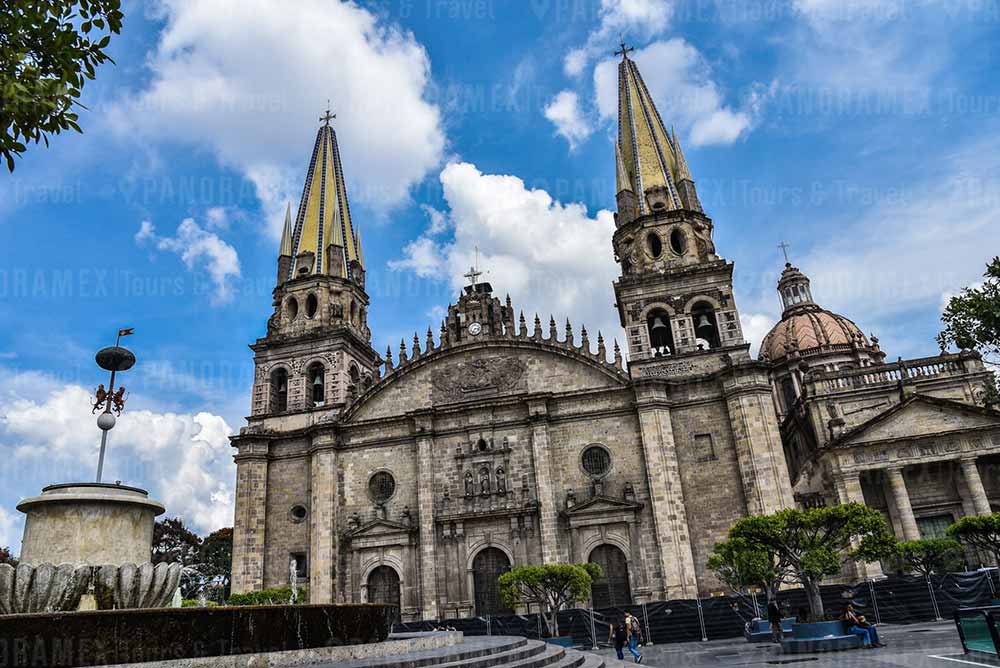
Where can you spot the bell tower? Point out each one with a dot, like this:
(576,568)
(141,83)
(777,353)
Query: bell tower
(675,295)
(317,353)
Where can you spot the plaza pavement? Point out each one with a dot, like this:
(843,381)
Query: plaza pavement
(933,645)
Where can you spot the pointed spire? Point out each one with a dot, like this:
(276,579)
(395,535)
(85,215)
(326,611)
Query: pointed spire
(388,359)
(569,332)
(444,334)
(402,352)
(324,215)
(553,334)
(285,248)
(649,164)
(602,351)
(682,167)
(584,340)
(360,253)
(416,345)
(618,355)
(430,339)
(523,326)
(537,334)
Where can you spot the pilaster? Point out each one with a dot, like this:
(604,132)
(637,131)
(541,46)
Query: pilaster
(545,489)
(423,429)
(323,536)
(675,558)
(249,523)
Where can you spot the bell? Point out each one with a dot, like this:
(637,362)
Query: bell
(317,380)
(282,386)
(658,323)
(703,321)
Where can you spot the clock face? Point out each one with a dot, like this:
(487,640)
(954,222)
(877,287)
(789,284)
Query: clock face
(475,328)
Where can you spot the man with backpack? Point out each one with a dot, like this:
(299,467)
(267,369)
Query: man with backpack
(634,635)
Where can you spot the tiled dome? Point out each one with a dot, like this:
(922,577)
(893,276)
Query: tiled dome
(808,327)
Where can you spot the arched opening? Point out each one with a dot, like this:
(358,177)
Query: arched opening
(654,244)
(292,305)
(279,390)
(661,339)
(354,386)
(354,312)
(612,589)
(312,304)
(677,241)
(383,587)
(706,326)
(489,565)
(316,378)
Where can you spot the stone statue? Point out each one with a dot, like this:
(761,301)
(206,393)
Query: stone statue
(501,481)
(469,490)
(484,482)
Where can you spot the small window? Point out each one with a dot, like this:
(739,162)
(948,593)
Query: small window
(596,461)
(677,244)
(298,513)
(654,244)
(293,308)
(482,445)
(935,526)
(381,486)
(312,304)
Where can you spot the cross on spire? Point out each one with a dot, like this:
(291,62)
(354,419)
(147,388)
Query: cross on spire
(624,50)
(327,117)
(784,249)
(474,272)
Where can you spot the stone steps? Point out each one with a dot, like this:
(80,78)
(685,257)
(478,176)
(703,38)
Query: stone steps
(484,652)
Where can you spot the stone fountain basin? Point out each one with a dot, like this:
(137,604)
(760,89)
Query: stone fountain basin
(51,588)
(134,636)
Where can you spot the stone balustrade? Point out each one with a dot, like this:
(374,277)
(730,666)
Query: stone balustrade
(820,382)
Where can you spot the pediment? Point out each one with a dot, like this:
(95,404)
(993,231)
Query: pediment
(919,416)
(379,528)
(602,505)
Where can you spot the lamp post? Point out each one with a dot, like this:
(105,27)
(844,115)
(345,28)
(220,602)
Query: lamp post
(114,359)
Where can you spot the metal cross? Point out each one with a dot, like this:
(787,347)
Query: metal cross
(327,117)
(625,50)
(474,272)
(784,249)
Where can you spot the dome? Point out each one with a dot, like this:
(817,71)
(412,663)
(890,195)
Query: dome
(810,328)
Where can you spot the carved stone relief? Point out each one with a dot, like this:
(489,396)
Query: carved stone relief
(484,377)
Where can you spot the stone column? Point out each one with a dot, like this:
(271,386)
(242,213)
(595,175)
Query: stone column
(848,487)
(323,538)
(548,517)
(675,558)
(766,485)
(423,427)
(901,499)
(250,518)
(974,483)
(635,558)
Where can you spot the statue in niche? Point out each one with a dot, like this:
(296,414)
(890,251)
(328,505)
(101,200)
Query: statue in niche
(484,481)
(501,481)
(469,489)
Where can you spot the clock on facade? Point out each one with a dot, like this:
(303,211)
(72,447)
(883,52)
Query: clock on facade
(475,328)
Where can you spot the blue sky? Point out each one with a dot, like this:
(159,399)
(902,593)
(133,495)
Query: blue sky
(862,132)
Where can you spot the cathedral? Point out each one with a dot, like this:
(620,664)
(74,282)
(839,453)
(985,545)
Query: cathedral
(499,441)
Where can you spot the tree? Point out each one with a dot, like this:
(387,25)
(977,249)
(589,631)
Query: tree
(175,543)
(740,565)
(553,586)
(815,543)
(930,555)
(7,557)
(216,557)
(981,532)
(972,322)
(48,49)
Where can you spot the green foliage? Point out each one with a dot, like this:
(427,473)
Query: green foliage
(815,543)
(553,586)
(48,49)
(7,557)
(216,557)
(174,543)
(275,596)
(972,321)
(208,563)
(930,555)
(195,603)
(981,532)
(741,565)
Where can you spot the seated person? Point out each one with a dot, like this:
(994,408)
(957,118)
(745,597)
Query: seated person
(859,627)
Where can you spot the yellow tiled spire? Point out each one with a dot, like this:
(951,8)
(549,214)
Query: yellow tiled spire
(324,215)
(286,234)
(647,157)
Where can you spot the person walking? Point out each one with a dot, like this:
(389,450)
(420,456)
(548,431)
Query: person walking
(632,628)
(619,637)
(774,618)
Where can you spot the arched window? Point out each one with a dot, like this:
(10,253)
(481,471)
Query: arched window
(654,244)
(355,380)
(489,565)
(316,378)
(292,305)
(612,589)
(354,312)
(312,304)
(661,339)
(706,326)
(279,390)
(677,241)
(383,587)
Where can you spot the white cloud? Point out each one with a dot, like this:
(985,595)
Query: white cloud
(48,434)
(552,258)
(679,80)
(248,80)
(755,328)
(217,218)
(638,19)
(564,112)
(197,249)
(9,528)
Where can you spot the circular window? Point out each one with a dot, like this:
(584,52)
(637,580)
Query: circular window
(293,307)
(596,461)
(654,244)
(677,241)
(311,305)
(298,513)
(381,486)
